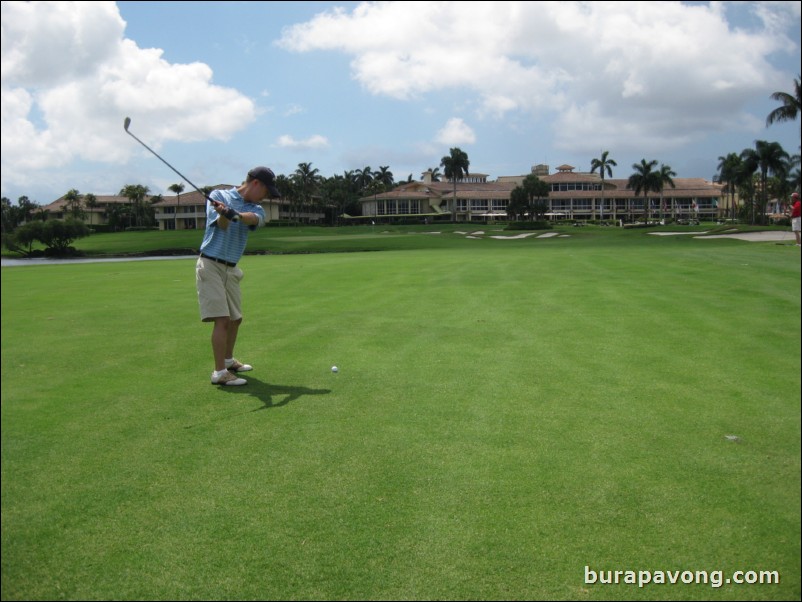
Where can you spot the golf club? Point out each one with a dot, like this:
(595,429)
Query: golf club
(126,125)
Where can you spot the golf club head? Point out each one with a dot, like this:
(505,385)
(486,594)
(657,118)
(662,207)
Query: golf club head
(126,123)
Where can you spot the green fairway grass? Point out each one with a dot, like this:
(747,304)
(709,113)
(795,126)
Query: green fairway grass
(506,413)
(382,237)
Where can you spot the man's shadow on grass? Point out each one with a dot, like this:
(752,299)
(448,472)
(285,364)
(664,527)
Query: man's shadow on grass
(271,395)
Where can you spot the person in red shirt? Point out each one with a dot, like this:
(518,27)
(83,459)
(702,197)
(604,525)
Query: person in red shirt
(796,212)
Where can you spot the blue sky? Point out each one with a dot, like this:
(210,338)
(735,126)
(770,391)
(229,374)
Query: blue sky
(219,87)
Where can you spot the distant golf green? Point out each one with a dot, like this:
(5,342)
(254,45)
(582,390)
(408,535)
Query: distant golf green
(509,417)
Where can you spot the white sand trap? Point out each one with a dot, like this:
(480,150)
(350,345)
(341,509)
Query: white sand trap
(525,235)
(548,235)
(767,236)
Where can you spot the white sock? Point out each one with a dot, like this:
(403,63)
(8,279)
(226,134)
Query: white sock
(219,373)
(229,362)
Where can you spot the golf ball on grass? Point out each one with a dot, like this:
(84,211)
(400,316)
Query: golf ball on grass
(335,369)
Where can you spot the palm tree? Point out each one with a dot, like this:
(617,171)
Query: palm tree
(765,157)
(307,182)
(791,105)
(136,193)
(645,180)
(72,202)
(382,181)
(90,200)
(118,215)
(363,177)
(794,173)
(339,194)
(665,174)
(603,164)
(177,189)
(385,176)
(455,167)
(728,169)
(435,173)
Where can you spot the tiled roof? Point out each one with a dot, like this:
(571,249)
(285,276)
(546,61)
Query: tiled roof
(613,188)
(192,197)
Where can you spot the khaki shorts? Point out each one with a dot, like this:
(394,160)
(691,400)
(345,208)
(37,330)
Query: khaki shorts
(795,223)
(218,290)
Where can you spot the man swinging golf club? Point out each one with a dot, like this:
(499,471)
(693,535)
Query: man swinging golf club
(230,216)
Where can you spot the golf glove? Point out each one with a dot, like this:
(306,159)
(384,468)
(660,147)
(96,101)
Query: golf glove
(231,215)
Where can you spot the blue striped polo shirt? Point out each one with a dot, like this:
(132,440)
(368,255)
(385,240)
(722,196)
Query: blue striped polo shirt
(228,245)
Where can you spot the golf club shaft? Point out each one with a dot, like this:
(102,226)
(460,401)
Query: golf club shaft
(127,123)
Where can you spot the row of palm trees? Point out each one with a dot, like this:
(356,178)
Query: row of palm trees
(307,191)
(747,174)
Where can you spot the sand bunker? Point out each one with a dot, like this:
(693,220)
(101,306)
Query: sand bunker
(755,236)
(766,236)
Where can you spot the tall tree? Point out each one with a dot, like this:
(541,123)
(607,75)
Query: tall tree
(537,191)
(136,193)
(177,189)
(666,174)
(645,180)
(455,167)
(794,173)
(363,177)
(5,216)
(16,215)
(340,196)
(604,165)
(766,157)
(90,200)
(791,105)
(382,181)
(728,168)
(385,176)
(72,204)
(307,181)
(518,204)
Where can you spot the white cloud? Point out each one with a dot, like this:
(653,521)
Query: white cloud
(455,132)
(629,70)
(69,77)
(313,142)
(293,109)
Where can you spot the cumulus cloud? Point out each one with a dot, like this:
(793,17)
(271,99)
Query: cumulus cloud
(455,132)
(313,142)
(621,69)
(69,77)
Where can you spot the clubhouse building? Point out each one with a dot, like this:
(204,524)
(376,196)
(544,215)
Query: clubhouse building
(574,196)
